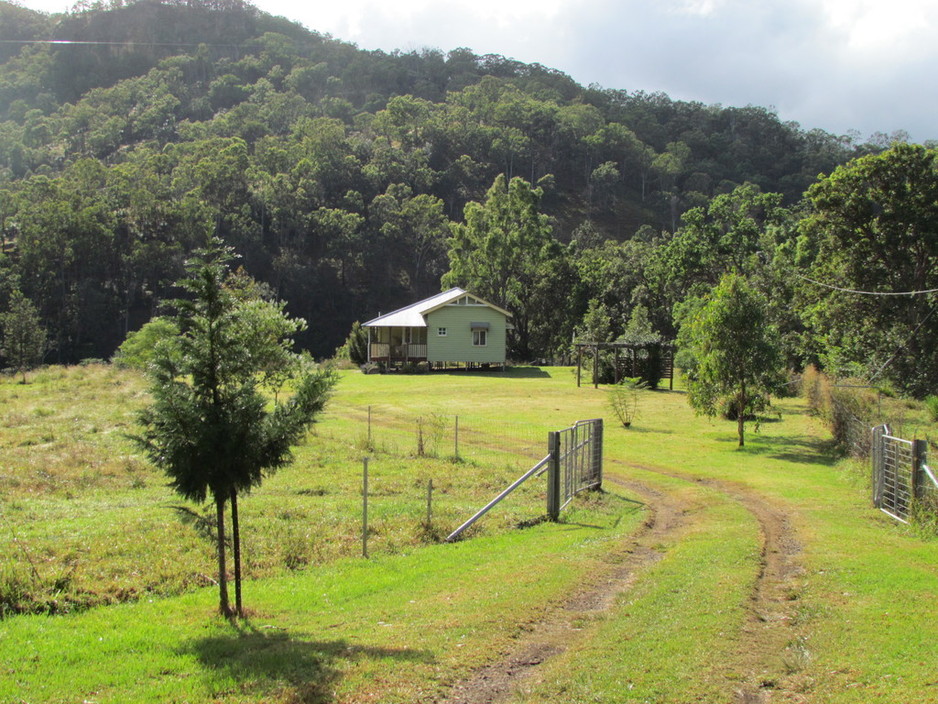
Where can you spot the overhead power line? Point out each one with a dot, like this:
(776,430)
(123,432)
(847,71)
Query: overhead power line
(104,43)
(866,293)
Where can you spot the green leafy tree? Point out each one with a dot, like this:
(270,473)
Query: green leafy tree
(736,352)
(209,427)
(502,251)
(725,236)
(139,349)
(24,339)
(873,227)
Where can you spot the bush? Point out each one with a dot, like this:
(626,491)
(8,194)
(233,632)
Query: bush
(931,403)
(851,417)
(623,399)
(815,388)
(756,404)
(139,349)
(355,347)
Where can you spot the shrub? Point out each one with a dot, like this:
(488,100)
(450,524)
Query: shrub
(755,405)
(931,403)
(623,399)
(815,388)
(139,349)
(355,347)
(851,417)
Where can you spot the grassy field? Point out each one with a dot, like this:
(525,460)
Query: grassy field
(86,523)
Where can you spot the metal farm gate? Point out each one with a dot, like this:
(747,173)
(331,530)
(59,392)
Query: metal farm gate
(900,475)
(577,452)
(574,463)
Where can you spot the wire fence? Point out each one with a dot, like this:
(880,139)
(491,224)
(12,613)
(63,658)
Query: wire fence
(444,435)
(858,439)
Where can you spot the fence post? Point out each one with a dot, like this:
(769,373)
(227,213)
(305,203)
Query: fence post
(365,508)
(919,454)
(553,475)
(429,502)
(420,451)
(595,366)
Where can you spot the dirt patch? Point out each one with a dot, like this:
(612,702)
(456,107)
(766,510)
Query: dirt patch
(558,629)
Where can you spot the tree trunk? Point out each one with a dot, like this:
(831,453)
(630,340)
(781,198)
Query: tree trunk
(236,545)
(741,413)
(223,607)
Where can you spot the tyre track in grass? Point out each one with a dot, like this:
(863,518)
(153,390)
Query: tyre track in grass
(771,648)
(558,628)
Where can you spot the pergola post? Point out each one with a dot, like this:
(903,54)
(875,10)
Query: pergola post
(595,366)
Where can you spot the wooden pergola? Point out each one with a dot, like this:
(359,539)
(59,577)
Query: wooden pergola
(631,359)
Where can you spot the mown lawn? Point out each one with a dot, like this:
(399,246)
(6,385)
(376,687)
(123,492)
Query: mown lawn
(86,521)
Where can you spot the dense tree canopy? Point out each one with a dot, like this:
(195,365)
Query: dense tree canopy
(351,182)
(873,227)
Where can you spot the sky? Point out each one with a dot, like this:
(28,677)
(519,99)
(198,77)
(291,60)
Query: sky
(844,66)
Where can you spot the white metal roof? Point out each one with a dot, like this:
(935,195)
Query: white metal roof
(412,316)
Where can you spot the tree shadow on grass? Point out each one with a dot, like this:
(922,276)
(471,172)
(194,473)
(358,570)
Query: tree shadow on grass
(802,449)
(642,429)
(271,664)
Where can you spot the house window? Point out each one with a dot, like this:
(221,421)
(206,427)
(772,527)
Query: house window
(479,338)
(441,332)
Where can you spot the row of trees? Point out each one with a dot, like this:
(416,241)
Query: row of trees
(867,227)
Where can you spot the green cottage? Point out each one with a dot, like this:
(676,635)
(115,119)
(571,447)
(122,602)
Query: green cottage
(453,328)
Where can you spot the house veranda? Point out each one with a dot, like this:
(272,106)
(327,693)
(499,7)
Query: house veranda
(451,329)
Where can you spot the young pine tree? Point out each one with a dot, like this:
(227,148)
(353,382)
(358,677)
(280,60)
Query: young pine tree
(209,426)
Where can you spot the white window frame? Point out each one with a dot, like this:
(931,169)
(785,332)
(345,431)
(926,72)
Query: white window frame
(480,334)
(441,332)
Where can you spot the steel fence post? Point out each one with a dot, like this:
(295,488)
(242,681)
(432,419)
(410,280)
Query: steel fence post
(919,450)
(553,475)
(598,451)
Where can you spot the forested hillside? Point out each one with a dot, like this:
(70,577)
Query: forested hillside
(341,177)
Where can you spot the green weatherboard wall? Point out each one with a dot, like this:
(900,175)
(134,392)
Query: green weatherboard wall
(457,345)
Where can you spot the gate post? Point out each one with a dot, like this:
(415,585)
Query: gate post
(879,473)
(553,475)
(598,452)
(919,450)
